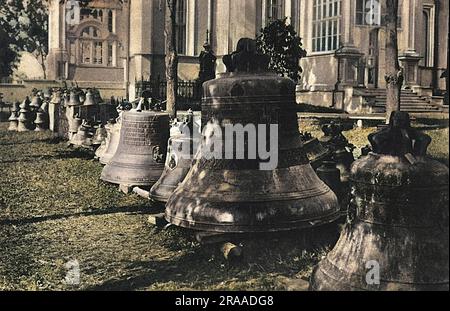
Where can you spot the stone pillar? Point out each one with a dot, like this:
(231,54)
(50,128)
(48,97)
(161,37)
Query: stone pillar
(348,55)
(141,25)
(409,61)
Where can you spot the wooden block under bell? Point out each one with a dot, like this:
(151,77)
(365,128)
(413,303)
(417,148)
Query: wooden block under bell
(157,220)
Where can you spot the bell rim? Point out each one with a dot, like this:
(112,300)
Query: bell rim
(236,228)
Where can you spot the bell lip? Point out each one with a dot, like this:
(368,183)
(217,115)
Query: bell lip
(155,195)
(321,275)
(127,182)
(150,181)
(235,228)
(158,198)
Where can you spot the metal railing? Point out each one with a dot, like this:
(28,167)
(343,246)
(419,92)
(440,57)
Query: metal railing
(189,92)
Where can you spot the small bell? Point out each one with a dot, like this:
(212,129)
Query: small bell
(314,149)
(330,174)
(89,101)
(181,148)
(112,142)
(25,122)
(74,99)
(41,121)
(71,113)
(14,118)
(36,102)
(82,137)
(99,136)
(101,150)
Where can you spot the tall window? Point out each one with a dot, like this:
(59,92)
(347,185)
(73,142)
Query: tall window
(180,26)
(326,25)
(274,10)
(110,21)
(91,46)
(428,32)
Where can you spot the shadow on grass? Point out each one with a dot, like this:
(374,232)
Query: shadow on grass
(77,153)
(262,255)
(132,210)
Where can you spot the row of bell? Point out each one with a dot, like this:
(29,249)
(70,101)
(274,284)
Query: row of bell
(29,116)
(227,195)
(395,225)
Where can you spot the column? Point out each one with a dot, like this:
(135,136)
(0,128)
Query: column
(190,28)
(348,55)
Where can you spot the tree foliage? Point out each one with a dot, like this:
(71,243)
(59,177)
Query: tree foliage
(24,25)
(280,42)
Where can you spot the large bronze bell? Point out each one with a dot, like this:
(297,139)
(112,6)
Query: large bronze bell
(397,233)
(248,194)
(180,150)
(140,155)
(14,117)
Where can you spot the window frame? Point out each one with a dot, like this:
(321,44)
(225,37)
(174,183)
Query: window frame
(326,26)
(181,27)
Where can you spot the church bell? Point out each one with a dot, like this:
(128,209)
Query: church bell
(140,155)
(25,118)
(14,117)
(181,148)
(227,192)
(397,236)
(107,151)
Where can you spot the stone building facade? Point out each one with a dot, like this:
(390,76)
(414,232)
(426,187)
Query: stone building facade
(121,41)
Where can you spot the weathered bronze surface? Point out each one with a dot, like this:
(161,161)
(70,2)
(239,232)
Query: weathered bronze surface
(340,148)
(234,195)
(399,218)
(178,163)
(330,174)
(315,150)
(140,156)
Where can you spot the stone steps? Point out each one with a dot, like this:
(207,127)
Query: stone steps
(410,101)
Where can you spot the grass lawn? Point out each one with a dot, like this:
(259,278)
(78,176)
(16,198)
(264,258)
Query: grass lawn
(54,208)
